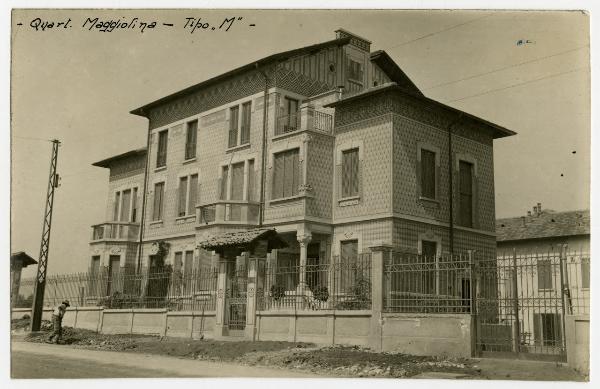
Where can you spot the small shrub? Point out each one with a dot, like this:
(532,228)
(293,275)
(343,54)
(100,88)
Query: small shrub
(321,293)
(277,292)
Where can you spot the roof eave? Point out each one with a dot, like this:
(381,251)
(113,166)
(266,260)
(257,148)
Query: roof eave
(105,163)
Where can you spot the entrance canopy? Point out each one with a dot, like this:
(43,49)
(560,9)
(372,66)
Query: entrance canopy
(258,241)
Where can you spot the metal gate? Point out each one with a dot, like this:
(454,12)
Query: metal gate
(520,306)
(236,300)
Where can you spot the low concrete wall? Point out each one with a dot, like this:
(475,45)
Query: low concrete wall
(427,334)
(18,313)
(577,329)
(191,324)
(148,321)
(320,327)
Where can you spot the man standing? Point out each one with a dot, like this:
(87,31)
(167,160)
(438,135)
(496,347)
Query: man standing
(57,316)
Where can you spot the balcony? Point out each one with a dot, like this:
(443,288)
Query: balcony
(228,212)
(307,118)
(116,231)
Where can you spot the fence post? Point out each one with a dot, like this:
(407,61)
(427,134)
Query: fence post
(379,253)
(251,298)
(473,297)
(564,291)
(220,326)
(515,293)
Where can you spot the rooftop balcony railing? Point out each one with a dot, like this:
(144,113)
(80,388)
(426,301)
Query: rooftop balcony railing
(228,211)
(307,118)
(124,231)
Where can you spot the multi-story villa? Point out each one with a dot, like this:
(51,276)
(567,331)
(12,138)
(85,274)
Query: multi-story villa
(331,144)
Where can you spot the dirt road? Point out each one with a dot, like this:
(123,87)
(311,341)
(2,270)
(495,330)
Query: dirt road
(30,360)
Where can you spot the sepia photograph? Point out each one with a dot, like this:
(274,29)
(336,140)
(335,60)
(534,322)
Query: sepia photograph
(339,193)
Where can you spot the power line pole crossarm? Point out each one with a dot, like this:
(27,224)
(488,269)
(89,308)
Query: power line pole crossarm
(40,279)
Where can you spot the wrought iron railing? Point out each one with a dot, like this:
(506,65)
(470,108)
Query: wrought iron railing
(229,211)
(307,118)
(343,285)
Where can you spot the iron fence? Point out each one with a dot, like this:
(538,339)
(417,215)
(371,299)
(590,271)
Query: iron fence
(341,284)
(128,288)
(426,284)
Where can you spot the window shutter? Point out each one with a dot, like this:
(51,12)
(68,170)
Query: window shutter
(437,181)
(278,168)
(116,206)
(295,171)
(419,174)
(223,184)
(233,126)
(183,181)
(475,190)
(288,176)
(359,177)
(193,194)
(338,181)
(346,169)
(355,173)
(250,194)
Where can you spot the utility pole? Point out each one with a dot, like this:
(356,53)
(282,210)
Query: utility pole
(40,280)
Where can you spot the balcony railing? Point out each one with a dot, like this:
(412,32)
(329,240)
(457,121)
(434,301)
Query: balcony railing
(307,118)
(228,211)
(116,231)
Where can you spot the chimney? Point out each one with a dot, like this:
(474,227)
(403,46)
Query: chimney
(535,211)
(528,213)
(539,206)
(523,220)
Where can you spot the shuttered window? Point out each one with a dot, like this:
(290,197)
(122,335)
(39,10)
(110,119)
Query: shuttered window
(223,186)
(161,155)
(183,188)
(193,194)
(428,189)
(251,179)
(237,181)
(544,269)
(191,139)
(125,205)
(466,194)
(134,206)
(245,128)
(159,189)
(350,178)
(116,206)
(286,174)
(189,262)
(233,125)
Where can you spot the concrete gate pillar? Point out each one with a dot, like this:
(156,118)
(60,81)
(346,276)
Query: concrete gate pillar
(379,255)
(220,326)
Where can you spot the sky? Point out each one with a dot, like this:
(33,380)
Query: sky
(526,71)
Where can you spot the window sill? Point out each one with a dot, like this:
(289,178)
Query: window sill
(160,169)
(286,199)
(238,148)
(346,201)
(428,200)
(155,223)
(185,219)
(186,161)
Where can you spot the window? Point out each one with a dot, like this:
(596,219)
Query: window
(245,127)
(350,178)
(95,266)
(161,154)
(235,126)
(428,174)
(286,174)
(251,195)
(224,180)
(190,139)
(355,70)
(125,205)
(159,189)
(237,181)
(188,190)
(466,194)
(585,273)
(544,269)
(291,111)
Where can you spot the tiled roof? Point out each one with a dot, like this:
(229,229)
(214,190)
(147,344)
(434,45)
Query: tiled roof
(547,224)
(243,239)
(108,161)
(24,257)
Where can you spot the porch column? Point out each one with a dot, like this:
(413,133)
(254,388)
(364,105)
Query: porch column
(379,254)
(304,239)
(220,326)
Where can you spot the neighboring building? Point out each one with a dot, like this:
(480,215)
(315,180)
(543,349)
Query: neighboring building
(544,263)
(18,261)
(544,230)
(354,155)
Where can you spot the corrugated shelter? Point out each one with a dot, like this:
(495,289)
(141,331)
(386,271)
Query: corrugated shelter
(241,241)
